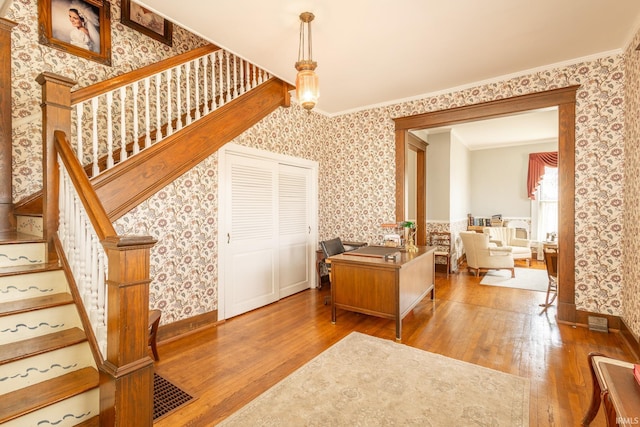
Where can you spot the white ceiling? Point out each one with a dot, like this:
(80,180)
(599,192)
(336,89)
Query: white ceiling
(534,127)
(374,52)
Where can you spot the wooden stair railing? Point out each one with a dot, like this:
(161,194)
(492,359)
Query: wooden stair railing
(157,166)
(126,371)
(126,376)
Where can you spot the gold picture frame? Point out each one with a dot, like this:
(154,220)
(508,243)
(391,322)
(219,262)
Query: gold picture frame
(80,27)
(148,23)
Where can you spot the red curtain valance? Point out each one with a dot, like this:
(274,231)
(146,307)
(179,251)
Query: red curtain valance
(537,162)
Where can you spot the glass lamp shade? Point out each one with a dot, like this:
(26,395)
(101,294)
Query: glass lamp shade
(307,89)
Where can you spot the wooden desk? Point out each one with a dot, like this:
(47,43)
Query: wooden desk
(614,385)
(371,285)
(348,246)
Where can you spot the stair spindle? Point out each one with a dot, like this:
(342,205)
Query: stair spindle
(169,119)
(187,92)
(235,78)
(179,97)
(212,60)
(196,83)
(136,143)
(109,130)
(227,92)
(94,128)
(147,118)
(123,128)
(205,85)
(79,116)
(220,85)
(158,108)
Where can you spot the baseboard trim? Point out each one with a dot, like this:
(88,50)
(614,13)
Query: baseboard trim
(184,327)
(615,323)
(582,318)
(631,341)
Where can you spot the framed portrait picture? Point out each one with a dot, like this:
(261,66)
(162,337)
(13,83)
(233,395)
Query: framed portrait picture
(148,23)
(80,27)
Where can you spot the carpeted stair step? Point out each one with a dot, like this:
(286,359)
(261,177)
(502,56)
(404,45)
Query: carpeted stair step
(42,344)
(32,398)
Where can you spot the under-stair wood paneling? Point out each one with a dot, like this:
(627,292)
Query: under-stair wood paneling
(7,221)
(126,185)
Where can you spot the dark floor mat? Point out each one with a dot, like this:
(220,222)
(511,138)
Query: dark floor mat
(167,397)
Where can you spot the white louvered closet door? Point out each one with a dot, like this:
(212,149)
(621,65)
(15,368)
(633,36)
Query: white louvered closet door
(294,229)
(251,273)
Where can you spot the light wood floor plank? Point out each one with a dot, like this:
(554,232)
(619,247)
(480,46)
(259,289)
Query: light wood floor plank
(227,366)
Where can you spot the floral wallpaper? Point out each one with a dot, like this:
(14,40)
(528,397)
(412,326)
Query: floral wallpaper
(631,226)
(356,155)
(130,50)
(355,152)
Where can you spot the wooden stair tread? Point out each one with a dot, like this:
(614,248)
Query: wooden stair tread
(26,269)
(17,237)
(91,422)
(36,303)
(29,399)
(42,344)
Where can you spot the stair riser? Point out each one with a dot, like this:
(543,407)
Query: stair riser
(17,254)
(67,413)
(33,370)
(31,225)
(37,323)
(23,286)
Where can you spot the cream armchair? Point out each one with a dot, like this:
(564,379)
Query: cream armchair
(506,237)
(481,254)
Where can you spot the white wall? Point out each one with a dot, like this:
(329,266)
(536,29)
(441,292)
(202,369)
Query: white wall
(460,188)
(438,177)
(499,180)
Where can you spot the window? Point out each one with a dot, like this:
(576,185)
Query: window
(544,210)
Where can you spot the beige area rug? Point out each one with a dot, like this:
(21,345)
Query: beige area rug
(367,381)
(526,278)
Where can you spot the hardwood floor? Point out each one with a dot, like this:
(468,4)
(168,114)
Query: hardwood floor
(227,366)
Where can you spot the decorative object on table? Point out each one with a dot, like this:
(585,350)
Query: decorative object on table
(145,21)
(410,236)
(81,28)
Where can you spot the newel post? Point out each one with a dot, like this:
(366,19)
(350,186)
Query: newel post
(56,115)
(126,378)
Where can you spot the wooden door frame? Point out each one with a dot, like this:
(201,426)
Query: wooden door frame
(565,100)
(413,143)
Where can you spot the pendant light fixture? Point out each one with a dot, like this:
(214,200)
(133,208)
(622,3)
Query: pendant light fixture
(307,89)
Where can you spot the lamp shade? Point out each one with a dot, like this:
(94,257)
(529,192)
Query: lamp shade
(307,89)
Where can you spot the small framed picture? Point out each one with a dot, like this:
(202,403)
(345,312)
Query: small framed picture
(148,23)
(80,27)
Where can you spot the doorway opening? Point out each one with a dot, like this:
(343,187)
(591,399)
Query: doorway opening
(565,100)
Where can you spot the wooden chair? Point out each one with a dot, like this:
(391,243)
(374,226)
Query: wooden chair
(442,241)
(551,262)
(154,321)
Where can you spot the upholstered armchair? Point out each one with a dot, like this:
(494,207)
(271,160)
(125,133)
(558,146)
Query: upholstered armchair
(482,254)
(506,237)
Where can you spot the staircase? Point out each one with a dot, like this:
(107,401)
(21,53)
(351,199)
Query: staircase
(48,374)
(53,331)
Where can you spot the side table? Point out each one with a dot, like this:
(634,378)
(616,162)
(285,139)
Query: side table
(615,386)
